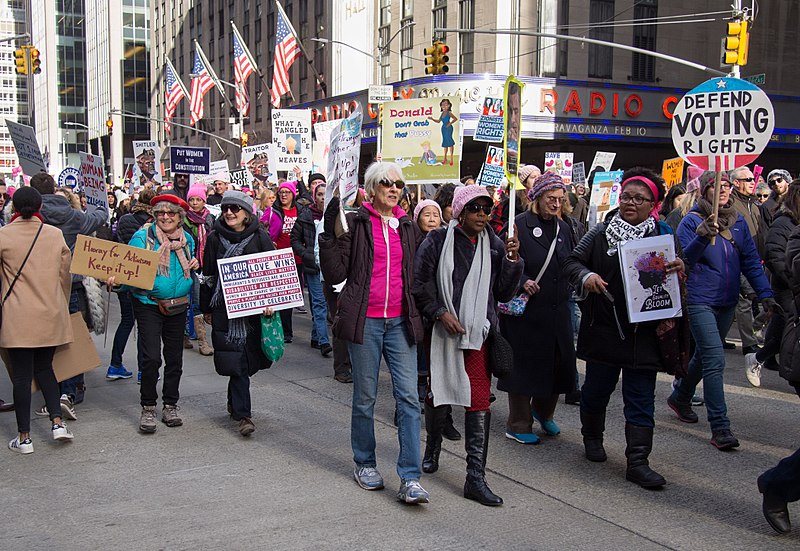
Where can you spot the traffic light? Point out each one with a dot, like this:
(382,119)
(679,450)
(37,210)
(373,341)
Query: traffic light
(110,125)
(244,138)
(21,61)
(35,62)
(436,58)
(736,44)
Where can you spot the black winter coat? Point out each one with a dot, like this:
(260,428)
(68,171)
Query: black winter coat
(130,223)
(230,359)
(502,284)
(775,258)
(302,237)
(790,370)
(631,345)
(351,257)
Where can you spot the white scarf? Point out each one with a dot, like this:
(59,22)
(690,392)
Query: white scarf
(619,232)
(449,380)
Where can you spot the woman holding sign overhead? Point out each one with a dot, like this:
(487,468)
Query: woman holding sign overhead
(608,342)
(237,342)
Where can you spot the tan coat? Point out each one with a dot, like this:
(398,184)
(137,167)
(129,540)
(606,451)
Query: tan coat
(36,313)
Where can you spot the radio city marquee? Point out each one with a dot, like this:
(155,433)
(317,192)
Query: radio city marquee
(550,108)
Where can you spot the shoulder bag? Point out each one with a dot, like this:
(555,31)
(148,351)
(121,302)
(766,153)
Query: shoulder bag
(16,277)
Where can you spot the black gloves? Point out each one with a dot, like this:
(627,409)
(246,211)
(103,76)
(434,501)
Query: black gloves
(769,305)
(329,218)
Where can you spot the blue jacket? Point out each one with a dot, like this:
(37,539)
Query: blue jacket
(714,270)
(173,286)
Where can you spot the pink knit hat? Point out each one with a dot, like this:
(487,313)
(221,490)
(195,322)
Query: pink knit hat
(426,203)
(467,194)
(197,190)
(291,186)
(525,171)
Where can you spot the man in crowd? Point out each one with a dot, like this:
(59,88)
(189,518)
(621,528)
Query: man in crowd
(220,187)
(778,182)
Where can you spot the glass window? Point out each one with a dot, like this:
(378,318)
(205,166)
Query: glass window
(644,36)
(601,58)
(439,18)
(466,50)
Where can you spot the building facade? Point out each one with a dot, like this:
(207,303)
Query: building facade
(14,95)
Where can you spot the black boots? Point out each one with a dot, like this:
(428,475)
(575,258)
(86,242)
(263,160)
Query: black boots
(592,428)
(775,509)
(640,443)
(435,418)
(449,431)
(477,446)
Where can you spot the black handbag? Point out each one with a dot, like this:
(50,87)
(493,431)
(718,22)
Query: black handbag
(501,355)
(16,277)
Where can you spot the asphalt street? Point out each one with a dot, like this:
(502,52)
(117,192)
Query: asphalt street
(290,485)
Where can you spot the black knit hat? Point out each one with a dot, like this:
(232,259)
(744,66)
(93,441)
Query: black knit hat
(316,176)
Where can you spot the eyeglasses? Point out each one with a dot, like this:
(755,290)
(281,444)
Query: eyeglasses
(399,184)
(478,207)
(762,195)
(750,179)
(232,208)
(637,200)
(725,186)
(168,213)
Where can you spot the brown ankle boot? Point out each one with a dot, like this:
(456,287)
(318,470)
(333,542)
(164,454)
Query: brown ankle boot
(202,343)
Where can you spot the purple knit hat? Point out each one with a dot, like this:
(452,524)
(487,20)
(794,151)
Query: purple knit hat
(426,203)
(545,182)
(467,194)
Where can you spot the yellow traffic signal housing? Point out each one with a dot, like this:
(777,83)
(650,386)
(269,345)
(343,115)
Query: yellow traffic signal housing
(110,125)
(244,137)
(21,61)
(35,62)
(442,58)
(430,60)
(736,44)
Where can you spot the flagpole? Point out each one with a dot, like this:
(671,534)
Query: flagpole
(178,78)
(321,83)
(249,55)
(212,74)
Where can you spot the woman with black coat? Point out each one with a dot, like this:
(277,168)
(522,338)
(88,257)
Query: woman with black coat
(608,341)
(237,342)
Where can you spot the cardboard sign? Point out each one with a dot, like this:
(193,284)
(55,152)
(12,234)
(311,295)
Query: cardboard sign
(102,259)
(147,168)
(30,156)
(322,145)
(560,163)
(493,171)
(422,137)
(345,153)
(70,177)
(650,292)
(253,282)
(490,124)
(605,193)
(512,138)
(380,93)
(672,171)
(722,124)
(260,164)
(189,160)
(93,174)
(217,170)
(603,160)
(291,133)
(579,174)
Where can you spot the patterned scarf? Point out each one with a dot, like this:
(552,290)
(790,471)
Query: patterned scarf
(237,327)
(175,241)
(199,220)
(619,232)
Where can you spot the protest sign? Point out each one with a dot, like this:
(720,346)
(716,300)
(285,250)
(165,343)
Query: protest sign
(672,171)
(102,259)
(93,176)
(559,163)
(343,160)
(512,100)
(605,193)
(722,124)
(259,161)
(603,161)
(189,160)
(322,145)
(291,133)
(253,282)
(70,177)
(147,168)
(30,156)
(490,124)
(240,177)
(420,135)
(579,174)
(650,292)
(217,170)
(492,172)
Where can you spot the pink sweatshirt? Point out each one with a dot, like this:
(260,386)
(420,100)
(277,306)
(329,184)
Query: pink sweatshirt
(386,286)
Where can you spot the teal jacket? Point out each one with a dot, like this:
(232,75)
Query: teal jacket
(173,286)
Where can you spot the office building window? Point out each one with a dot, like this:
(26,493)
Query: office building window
(384,33)
(439,18)
(601,58)
(644,36)
(563,28)
(466,48)
(406,45)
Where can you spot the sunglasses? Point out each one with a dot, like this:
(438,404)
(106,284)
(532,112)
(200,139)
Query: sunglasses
(750,179)
(168,213)
(775,181)
(232,208)
(478,207)
(399,184)
(762,195)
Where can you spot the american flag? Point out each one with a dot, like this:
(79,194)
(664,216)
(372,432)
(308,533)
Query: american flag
(175,93)
(243,68)
(201,84)
(286,51)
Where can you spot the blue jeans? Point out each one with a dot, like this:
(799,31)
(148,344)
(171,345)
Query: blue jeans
(319,309)
(638,392)
(388,338)
(124,328)
(709,326)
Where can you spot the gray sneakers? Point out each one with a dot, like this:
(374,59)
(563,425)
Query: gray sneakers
(170,417)
(411,492)
(147,423)
(368,478)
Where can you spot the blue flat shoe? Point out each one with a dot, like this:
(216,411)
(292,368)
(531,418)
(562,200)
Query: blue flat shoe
(523,438)
(550,427)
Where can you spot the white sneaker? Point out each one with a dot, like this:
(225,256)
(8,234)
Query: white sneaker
(24,447)
(752,369)
(61,432)
(68,407)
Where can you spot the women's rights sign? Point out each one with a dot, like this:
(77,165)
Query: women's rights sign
(291,133)
(650,292)
(253,282)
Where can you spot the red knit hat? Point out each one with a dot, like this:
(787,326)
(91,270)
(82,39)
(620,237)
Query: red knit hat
(169,198)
